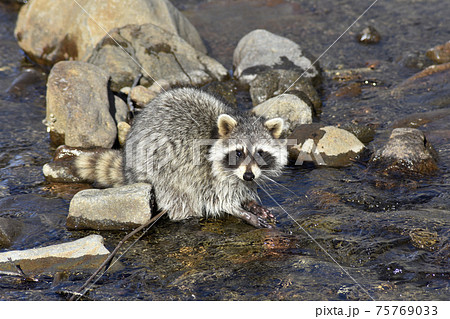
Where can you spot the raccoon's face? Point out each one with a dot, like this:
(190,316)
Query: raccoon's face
(248,150)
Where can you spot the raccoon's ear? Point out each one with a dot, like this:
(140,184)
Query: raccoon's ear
(226,124)
(275,126)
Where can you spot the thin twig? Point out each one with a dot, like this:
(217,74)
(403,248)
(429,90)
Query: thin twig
(108,260)
(20,272)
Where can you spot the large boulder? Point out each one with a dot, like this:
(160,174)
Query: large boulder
(261,50)
(78,106)
(157,55)
(51,31)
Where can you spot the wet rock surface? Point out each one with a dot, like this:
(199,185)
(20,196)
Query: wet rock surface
(369,35)
(78,108)
(272,83)
(324,146)
(261,50)
(119,208)
(440,53)
(82,254)
(407,151)
(53,31)
(9,230)
(161,55)
(432,84)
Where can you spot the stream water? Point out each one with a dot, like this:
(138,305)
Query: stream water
(344,234)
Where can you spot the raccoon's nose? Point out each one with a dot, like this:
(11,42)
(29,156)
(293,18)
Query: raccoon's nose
(248,176)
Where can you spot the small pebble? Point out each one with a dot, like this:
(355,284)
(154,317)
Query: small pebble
(369,35)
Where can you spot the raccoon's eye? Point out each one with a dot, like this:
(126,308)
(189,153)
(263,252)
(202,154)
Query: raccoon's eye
(238,153)
(261,152)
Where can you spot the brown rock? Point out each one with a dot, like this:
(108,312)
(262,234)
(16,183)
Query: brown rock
(368,35)
(440,53)
(406,152)
(350,90)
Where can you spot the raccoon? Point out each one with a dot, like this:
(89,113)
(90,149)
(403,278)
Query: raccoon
(202,157)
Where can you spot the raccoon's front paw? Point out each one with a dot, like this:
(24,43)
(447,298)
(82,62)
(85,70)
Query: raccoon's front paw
(252,219)
(259,210)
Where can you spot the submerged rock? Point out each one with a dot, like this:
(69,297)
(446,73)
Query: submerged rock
(118,208)
(369,35)
(261,50)
(51,31)
(83,254)
(362,132)
(407,151)
(78,110)
(429,87)
(9,230)
(287,106)
(324,146)
(160,56)
(440,53)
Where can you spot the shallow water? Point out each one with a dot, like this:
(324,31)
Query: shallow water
(344,234)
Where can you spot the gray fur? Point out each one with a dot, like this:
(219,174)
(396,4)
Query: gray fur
(163,149)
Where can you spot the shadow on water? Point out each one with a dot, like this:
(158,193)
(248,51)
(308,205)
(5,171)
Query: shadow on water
(390,236)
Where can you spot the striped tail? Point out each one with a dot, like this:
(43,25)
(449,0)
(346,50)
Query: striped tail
(102,168)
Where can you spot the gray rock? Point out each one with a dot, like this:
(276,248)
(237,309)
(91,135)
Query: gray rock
(324,146)
(287,106)
(9,230)
(50,31)
(83,254)
(261,50)
(119,208)
(78,110)
(271,83)
(162,55)
(407,151)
